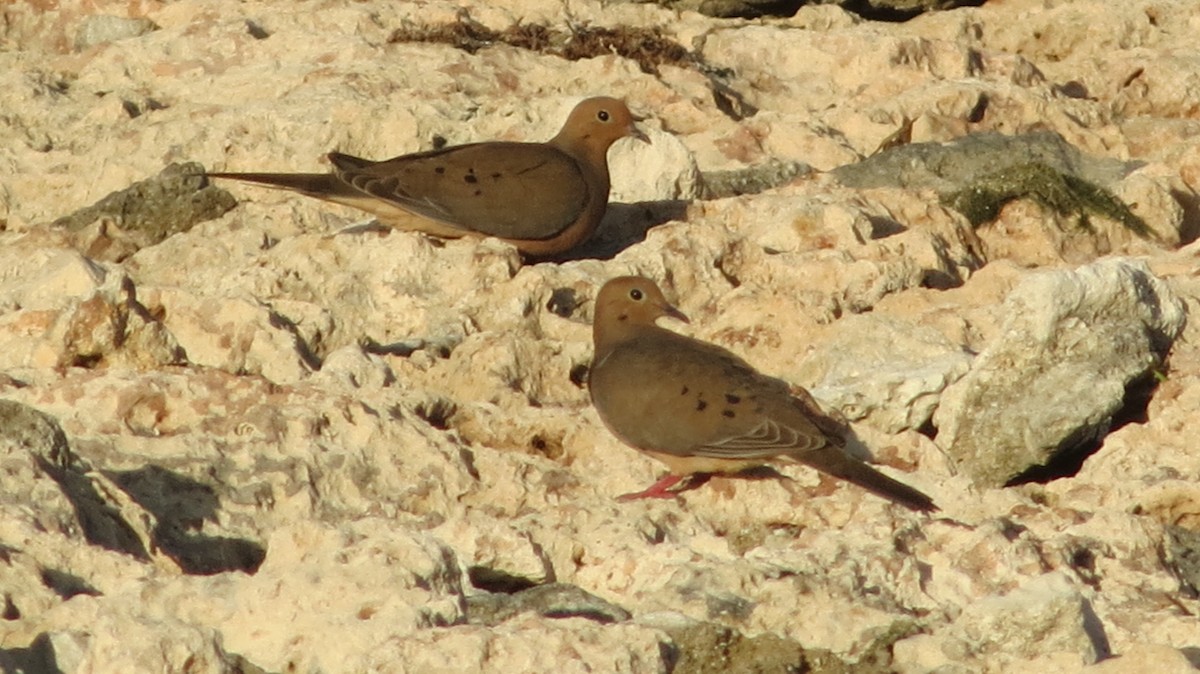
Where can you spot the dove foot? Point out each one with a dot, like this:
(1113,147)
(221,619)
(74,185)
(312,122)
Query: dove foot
(656,490)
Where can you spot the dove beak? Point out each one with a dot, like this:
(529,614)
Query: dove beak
(671,311)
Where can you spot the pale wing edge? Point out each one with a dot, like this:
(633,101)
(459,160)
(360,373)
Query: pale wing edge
(766,440)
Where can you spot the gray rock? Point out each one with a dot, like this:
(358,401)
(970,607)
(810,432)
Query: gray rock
(952,166)
(1182,547)
(1053,379)
(753,179)
(147,212)
(34,458)
(27,432)
(40,468)
(553,600)
(101,28)
(711,647)
(1045,616)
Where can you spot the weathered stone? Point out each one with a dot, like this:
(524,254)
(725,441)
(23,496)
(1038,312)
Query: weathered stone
(299,442)
(1072,342)
(102,28)
(887,372)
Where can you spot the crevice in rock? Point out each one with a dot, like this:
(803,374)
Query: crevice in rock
(563,302)
(1087,442)
(436,412)
(497,580)
(1066,463)
(67,585)
(721,265)
(86,361)
(928,429)
(875,10)
(303,349)
(1189,201)
(549,447)
(579,374)
(936,279)
(728,100)
(11,612)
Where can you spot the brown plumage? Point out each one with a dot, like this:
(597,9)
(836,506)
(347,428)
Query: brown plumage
(699,409)
(544,198)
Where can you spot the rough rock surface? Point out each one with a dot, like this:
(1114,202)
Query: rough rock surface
(266,439)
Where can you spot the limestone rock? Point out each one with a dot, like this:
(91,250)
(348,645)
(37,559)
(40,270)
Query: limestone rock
(884,371)
(71,311)
(1071,344)
(102,28)
(1044,623)
(297,442)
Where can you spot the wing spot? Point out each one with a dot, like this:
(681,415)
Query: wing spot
(732,399)
(440,170)
(684,391)
(532,168)
(470,178)
(700,405)
(478,192)
(728,413)
(496,176)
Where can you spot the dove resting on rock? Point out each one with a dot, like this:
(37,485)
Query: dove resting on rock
(700,409)
(544,198)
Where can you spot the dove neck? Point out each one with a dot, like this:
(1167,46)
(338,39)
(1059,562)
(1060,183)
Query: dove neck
(608,335)
(585,150)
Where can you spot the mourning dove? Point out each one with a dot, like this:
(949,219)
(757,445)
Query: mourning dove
(699,409)
(544,198)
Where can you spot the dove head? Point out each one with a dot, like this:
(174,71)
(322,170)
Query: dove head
(595,124)
(626,304)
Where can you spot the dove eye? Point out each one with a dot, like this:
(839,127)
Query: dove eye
(602,115)
(636,295)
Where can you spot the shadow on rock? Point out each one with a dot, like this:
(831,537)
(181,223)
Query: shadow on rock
(625,225)
(38,657)
(180,505)
(101,522)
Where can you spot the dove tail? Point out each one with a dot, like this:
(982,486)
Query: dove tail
(834,461)
(320,185)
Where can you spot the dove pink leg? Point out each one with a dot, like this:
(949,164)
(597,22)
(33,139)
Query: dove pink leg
(656,490)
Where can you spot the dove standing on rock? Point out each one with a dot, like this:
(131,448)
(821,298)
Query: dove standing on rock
(544,198)
(700,409)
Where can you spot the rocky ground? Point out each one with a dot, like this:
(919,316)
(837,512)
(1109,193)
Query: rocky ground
(237,438)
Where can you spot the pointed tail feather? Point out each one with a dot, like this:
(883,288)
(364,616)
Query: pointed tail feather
(319,185)
(348,162)
(835,462)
